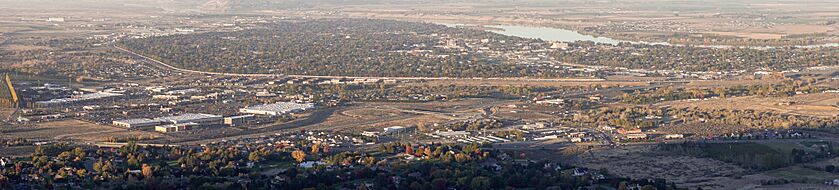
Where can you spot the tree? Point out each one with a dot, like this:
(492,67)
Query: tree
(439,183)
(254,157)
(315,148)
(97,166)
(428,152)
(298,155)
(132,161)
(480,183)
(409,149)
(421,127)
(325,149)
(81,172)
(147,171)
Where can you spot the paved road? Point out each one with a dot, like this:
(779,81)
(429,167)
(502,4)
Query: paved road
(348,77)
(63,136)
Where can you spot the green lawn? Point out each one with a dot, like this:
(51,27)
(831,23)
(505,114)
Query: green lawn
(267,165)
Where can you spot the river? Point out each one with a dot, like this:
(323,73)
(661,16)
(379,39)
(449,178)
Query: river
(563,35)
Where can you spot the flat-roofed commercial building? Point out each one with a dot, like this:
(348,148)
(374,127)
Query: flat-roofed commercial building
(175,128)
(277,108)
(238,120)
(198,118)
(78,99)
(136,123)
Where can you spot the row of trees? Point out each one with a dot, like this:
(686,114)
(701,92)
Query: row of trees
(785,89)
(651,116)
(750,155)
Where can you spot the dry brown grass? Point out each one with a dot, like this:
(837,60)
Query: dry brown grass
(817,104)
(18,47)
(685,171)
(71,130)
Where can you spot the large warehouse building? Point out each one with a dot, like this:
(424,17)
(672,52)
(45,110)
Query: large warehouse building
(277,108)
(194,119)
(198,118)
(136,123)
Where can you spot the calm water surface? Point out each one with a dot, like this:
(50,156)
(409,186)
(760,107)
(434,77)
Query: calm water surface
(563,35)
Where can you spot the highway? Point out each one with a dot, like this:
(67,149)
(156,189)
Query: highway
(350,77)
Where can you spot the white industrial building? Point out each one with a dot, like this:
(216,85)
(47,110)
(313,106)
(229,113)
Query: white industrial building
(394,129)
(136,123)
(451,134)
(277,108)
(198,118)
(175,127)
(193,119)
(238,120)
(78,99)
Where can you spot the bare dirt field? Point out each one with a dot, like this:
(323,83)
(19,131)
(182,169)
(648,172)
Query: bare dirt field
(685,171)
(817,104)
(18,47)
(647,161)
(528,113)
(17,151)
(70,130)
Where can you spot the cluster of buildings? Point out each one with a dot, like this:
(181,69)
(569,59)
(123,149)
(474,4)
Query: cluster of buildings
(83,98)
(467,137)
(172,123)
(632,134)
(545,131)
(638,135)
(347,81)
(393,130)
(189,121)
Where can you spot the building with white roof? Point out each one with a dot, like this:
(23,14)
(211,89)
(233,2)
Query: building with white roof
(452,134)
(238,120)
(394,129)
(136,123)
(277,108)
(175,127)
(198,118)
(189,120)
(77,99)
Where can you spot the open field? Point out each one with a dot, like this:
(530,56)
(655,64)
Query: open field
(17,47)
(385,114)
(687,171)
(71,130)
(802,174)
(644,19)
(707,173)
(526,113)
(818,104)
